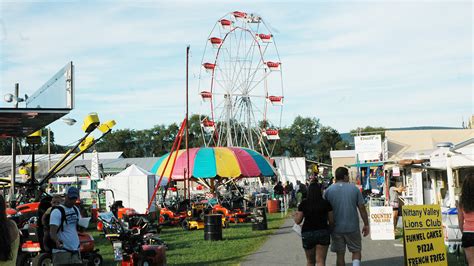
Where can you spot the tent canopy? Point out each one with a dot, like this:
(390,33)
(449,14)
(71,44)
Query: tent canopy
(130,185)
(225,162)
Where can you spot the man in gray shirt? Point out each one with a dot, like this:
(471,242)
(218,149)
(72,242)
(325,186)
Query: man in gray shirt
(63,230)
(345,199)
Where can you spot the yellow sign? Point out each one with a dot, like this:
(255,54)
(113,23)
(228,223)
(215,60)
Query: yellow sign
(423,235)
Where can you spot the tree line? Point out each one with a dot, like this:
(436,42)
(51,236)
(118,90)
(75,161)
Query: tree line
(305,137)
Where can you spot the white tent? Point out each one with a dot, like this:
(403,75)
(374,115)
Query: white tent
(453,157)
(291,169)
(134,186)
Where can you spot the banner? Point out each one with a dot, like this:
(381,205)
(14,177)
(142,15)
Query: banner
(368,147)
(381,223)
(423,235)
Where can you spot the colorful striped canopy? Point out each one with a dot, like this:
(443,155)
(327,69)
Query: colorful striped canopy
(227,162)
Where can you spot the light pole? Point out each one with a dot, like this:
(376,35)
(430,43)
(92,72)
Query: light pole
(49,148)
(15,99)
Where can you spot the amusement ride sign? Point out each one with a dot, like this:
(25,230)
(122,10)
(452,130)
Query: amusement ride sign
(423,235)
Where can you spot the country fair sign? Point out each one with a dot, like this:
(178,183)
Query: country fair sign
(381,223)
(423,235)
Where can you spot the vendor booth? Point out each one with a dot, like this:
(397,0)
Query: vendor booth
(134,186)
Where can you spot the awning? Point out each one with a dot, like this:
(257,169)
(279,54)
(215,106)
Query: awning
(371,164)
(20,122)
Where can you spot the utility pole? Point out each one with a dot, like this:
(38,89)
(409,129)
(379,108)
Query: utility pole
(186,174)
(13,175)
(49,148)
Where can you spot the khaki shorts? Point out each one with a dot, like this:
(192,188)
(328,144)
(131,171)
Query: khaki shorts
(66,258)
(352,240)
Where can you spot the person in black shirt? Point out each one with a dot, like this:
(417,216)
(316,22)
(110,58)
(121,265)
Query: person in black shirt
(278,190)
(315,232)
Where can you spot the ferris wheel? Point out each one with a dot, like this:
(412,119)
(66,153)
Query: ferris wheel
(240,84)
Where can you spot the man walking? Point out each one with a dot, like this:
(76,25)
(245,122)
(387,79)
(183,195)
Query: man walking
(63,230)
(345,199)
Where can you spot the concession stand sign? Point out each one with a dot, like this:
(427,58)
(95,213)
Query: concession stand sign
(423,235)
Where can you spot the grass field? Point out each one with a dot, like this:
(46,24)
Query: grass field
(190,248)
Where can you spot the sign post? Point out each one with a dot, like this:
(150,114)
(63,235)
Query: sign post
(423,235)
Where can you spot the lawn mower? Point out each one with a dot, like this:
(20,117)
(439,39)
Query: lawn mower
(168,217)
(173,212)
(130,218)
(137,246)
(89,255)
(195,216)
(234,216)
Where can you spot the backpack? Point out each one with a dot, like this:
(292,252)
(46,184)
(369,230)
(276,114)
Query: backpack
(49,242)
(64,216)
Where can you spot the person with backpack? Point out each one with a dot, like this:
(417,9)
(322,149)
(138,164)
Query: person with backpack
(47,244)
(63,230)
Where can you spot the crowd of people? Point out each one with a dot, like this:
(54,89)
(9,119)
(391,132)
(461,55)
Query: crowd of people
(293,194)
(329,214)
(330,217)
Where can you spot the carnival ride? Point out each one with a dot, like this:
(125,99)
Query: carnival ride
(240,84)
(241,87)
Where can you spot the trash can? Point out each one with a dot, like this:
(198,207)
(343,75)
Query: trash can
(273,206)
(259,219)
(213,227)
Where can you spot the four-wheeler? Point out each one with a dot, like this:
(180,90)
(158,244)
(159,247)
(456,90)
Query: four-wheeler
(137,246)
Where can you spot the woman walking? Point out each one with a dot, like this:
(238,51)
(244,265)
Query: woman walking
(466,217)
(315,233)
(9,237)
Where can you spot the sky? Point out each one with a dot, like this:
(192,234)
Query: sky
(348,63)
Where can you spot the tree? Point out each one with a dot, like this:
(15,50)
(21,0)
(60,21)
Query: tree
(195,132)
(303,135)
(281,146)
(119,140)
(327,141)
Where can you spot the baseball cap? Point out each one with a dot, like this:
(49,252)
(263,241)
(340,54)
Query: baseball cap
(72,192)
